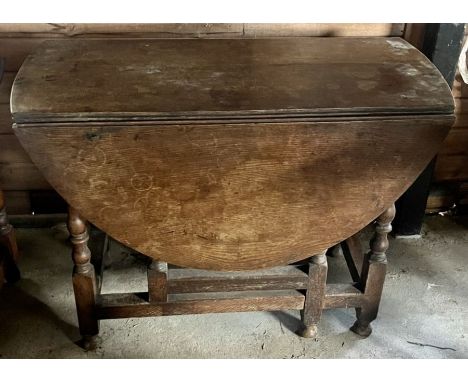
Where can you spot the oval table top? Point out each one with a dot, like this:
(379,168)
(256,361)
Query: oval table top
(231,154)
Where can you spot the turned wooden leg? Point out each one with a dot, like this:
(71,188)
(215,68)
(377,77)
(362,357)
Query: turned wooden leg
(373,274)
(157,281)
(315,294)
(84,280)
(8,246)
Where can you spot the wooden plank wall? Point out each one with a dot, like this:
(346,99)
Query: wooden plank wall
(25,188)
(450,182)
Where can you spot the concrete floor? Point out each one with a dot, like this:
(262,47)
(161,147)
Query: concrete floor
(425,302)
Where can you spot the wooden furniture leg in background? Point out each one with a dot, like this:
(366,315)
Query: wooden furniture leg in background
(373,274)
(157,281)
(84,280)
(8,248)
(315,295)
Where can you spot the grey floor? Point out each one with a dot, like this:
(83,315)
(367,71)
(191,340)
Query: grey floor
(424,311)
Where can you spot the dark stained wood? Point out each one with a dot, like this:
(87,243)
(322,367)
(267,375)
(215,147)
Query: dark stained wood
(137,305)
(414,34)
(18,202)
(11,150)
(322,29)
(373,274)
(451,168)
(442,197)
(16,50)
(84,279)
(231,155)
(442,45)
(354,256)
(343,296)
(199,281)
(157,281)
(19,40)
(412,204)
(47,202)
(231,79)
(315,295)
(2,268)
(6,120)
(461,120)
(463,192)
(98,245)
(456,143)
(249,200)
(8,247)
(459,88)
(5,87)
(128,30)
(38,221)
(7,234)
(21,176)
(198,30)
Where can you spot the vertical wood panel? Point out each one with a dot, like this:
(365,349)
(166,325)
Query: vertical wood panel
(5,119)
(5,87)
(451,171)
(17,202)
(11,150)
(326,30)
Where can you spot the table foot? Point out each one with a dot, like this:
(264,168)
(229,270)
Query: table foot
(363,330)
(89,343)
(309,331)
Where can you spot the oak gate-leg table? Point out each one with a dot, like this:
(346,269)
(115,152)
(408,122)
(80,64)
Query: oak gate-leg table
(235,160)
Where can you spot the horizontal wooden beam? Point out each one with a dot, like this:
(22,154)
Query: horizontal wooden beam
(324,30)
(196,281)
(124,305)
(201,30)
(343,296)
(133,30)
(18,40)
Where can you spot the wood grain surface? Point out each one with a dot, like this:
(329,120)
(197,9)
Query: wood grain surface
(175,79)
(136,304)
(19,40)
(233,196)
(230,154)
(205,30)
